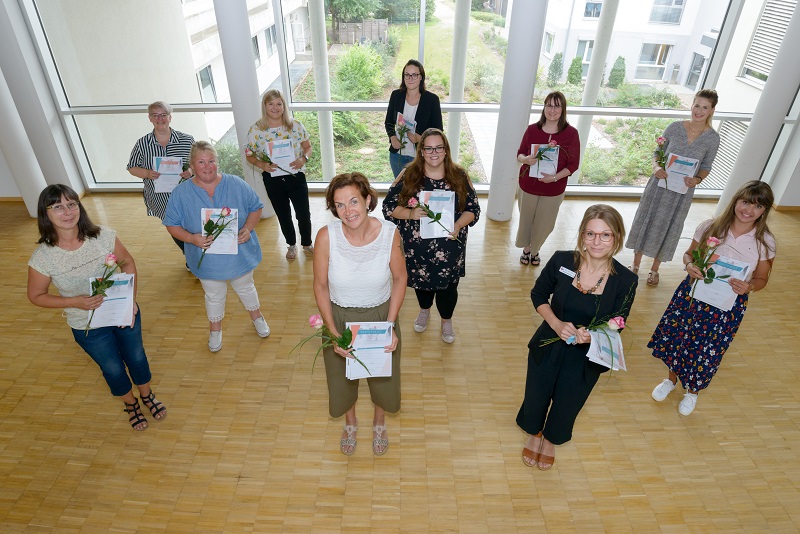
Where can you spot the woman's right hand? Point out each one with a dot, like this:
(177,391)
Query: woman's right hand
(396,144)
(416,213)
(342,352)
(88,303)
(660,173)
(695,271)
(202,241)
(153,175)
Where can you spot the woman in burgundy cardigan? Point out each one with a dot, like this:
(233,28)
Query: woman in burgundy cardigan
(415,104)
(540,198)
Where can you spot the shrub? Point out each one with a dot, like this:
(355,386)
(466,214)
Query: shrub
(575,72)
(393,40)
(492,18)
(556,69)
(435,79)
(358,74)
(348,128)
(229,158)
(496,41)
(617,76)
(643,96)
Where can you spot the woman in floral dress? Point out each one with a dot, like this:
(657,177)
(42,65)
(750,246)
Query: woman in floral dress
(434,266)
(692,336)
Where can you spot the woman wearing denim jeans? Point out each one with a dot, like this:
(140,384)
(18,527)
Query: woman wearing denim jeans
(72,250)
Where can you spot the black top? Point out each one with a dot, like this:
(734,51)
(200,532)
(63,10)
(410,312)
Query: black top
(429,113)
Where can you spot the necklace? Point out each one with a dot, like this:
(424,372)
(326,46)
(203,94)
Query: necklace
(591,290)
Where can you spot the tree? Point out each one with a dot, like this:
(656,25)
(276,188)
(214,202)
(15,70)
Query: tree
(617,76)
(575,72)
(555,70)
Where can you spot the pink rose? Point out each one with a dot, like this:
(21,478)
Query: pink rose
(661,140)
(713,242)
(552,144)
(316,321)
(247,151)
(616,323)
(412,202)
(225,211)
(111,260)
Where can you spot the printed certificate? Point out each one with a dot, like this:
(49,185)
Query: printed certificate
(281,153)
(606,349)
(117,306)
(548,163)
(439,201)
(719,293)
(369,340)
(678,168)
(170,168)
(228,241)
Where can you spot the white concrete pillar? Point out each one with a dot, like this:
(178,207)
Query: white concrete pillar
(458,73)
(322,86)
(237,51)
(421,53)
(18,152)
(779,92)
(522,59)
(605,27)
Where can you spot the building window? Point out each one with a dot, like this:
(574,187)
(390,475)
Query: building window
(585,52)
(592,10)
(769,33)
(667,11)
(549,38)
(652,61)
(271,40)
(256,51)
(206,81)
(695,70)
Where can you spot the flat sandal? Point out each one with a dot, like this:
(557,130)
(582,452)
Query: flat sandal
(350,440)
(525,258)
(652,278)
(136,417)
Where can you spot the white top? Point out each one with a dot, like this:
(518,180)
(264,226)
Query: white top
(359,277)
(743,248)
(409,113)
(70,270)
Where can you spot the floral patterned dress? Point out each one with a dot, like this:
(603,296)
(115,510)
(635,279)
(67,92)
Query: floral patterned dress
(432,264)
(692,336)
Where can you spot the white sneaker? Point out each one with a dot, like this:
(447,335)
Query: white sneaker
(663,389)
(448,335)
(688,403)
(261,326)
(215,340)
(421,322)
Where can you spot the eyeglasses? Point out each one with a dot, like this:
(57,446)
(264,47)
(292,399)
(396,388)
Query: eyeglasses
(159,115)
(63,208)
(431,149)
(552,106)
(605,237)
(411,75)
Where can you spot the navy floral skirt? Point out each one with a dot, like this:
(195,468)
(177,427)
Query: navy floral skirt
(692,336)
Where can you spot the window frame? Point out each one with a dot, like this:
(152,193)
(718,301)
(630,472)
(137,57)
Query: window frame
(666,8)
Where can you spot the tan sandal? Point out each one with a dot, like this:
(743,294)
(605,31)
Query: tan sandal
(634,269)
(652,278)
(380,443)
(350,440)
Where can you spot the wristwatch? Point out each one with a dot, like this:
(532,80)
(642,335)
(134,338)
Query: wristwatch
(305,157)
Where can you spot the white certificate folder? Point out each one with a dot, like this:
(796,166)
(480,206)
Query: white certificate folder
(369,340)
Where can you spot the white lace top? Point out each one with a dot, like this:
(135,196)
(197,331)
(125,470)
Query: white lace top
(70,270)
(359,277)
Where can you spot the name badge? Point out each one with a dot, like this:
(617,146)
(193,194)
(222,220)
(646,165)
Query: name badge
(566,271)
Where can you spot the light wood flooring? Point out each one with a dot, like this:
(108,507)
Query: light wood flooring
(248,445)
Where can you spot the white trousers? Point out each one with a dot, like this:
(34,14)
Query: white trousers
(217,291)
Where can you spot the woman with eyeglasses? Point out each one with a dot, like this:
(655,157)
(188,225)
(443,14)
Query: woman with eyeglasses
(693,336)
(574,289)
(163,141)
(72,250)
(285,184)
(539,198)
(410,105)
(658,223)
(435,265)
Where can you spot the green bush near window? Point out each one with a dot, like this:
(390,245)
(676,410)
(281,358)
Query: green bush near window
(229,159)
(575,72)
(357,74)
(617,76)
(643,96)
(492,18)
(555,70)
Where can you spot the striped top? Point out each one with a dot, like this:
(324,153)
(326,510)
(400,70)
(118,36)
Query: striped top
(145,149)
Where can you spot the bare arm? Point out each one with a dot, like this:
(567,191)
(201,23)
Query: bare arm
(397,265)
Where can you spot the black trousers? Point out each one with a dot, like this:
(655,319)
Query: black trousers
(285,192)
(446,299)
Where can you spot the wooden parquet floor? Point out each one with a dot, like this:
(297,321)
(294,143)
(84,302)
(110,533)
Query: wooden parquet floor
(248,445)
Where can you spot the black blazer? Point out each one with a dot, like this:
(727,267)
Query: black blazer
(429,113)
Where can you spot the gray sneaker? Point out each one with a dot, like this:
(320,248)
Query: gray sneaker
(215,340)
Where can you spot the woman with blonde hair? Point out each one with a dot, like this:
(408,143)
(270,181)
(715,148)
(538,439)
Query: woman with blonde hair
(286,186)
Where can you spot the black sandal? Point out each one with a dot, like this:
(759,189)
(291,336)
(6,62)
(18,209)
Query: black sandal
(525,259)
(136,417)
(536,260)
(155,406)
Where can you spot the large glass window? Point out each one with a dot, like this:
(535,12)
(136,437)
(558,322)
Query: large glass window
(592,10)
(205,78)
(549,38)
(585,53)
(256,51)
(667,11)
(272,40)
(653,61)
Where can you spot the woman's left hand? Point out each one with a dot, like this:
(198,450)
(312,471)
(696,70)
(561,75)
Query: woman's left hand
(135,312)
(298,163)
(454,233)
(582,335)
(244,235)
(691,181)
(390,348)
(413,137)
(548,178)
(740,287)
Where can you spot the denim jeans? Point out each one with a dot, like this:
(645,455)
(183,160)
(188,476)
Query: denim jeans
(113,348)
(398,162)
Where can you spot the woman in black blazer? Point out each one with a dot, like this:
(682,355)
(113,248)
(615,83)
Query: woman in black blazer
(418,108)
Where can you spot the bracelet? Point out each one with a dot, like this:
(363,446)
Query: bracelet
(752,287)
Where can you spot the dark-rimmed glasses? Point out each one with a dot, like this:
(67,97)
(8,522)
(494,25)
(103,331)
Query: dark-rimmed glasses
(431,149)
(605,237)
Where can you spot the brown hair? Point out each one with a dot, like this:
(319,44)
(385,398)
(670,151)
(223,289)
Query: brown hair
(357,180)
(613,219)
(286,119)
(454,175)
(417,64)
(754,192)
(52,194)
(556,97)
